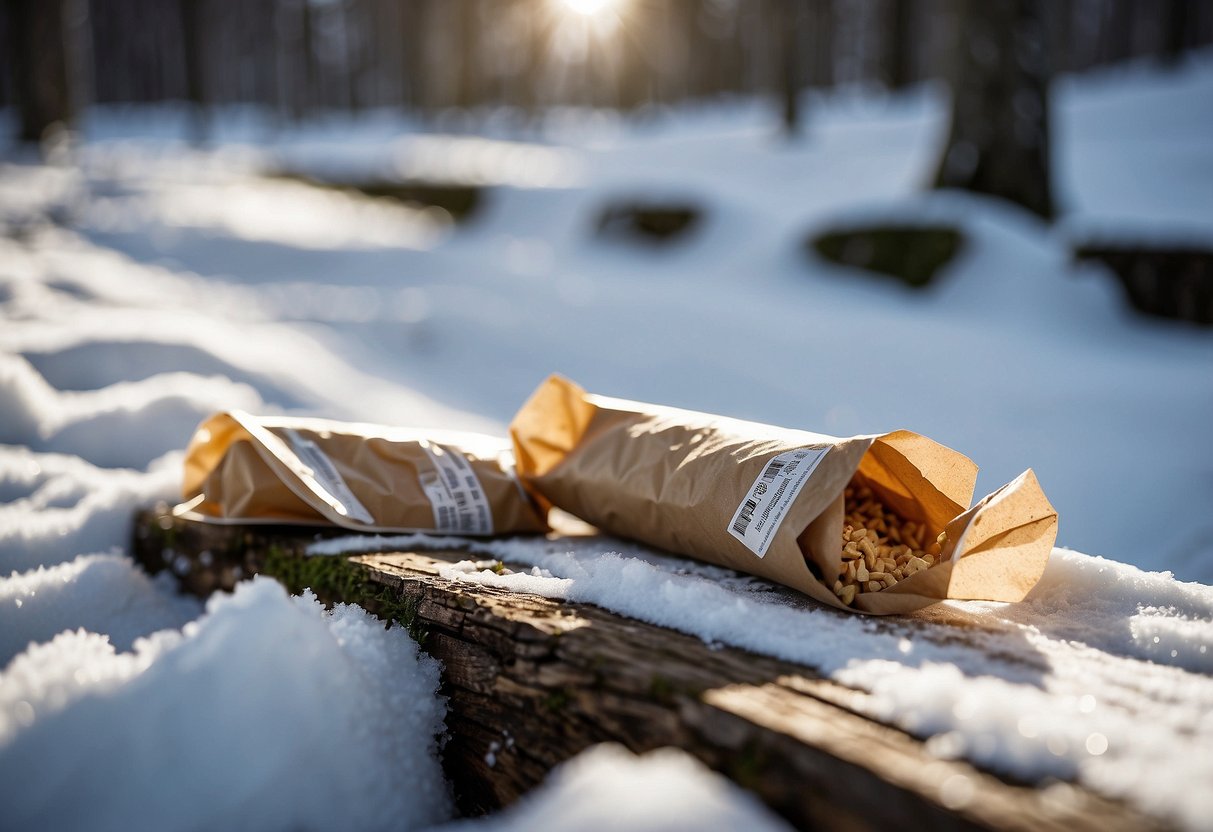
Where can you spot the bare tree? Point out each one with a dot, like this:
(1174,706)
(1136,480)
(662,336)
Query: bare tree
(821,26)
(425,55)
(38,56)
(898,48)
(790,49)
(193,22)
(1177,28)
(998,143)
(1116,31)
(467,64)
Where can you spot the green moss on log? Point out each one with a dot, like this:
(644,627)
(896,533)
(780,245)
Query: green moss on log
(557,700)
(748,766)
(336,579)
(661,689)
(911,254)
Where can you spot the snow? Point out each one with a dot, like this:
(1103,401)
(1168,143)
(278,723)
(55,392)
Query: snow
(145,283)
(138,418)
(1058,686)
(219,726)
(58,506)
(103,593)
(608,788)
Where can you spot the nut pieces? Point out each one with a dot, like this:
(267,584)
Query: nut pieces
(879,548)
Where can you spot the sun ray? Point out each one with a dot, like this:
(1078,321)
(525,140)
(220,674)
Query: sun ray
(589,8)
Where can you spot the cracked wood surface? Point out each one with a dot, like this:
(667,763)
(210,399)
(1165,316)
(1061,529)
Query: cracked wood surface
(533,681)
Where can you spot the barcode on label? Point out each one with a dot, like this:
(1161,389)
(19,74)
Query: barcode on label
(744,518)
(773,469)
(459,501)
(768,500)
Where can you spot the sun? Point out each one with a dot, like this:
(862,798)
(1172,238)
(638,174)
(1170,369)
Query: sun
(589,8)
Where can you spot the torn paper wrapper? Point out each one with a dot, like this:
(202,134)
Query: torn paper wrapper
(769,501)
(246,469)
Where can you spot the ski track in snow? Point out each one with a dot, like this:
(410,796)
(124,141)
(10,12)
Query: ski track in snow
(149,284)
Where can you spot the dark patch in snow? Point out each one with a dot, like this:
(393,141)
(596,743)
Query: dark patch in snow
(459,200)
(1175,283)
(650,222)
(911,254)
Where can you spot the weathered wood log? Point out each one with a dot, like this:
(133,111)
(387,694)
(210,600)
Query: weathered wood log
(532,681)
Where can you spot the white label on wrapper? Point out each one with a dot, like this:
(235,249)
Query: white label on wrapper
(460,504)
(769,498)
(322,470)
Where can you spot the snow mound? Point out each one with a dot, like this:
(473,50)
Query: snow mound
(609,788)
(267,713)
(58,506)
(1119,609)
(127,424)
(268,212)
(105,594)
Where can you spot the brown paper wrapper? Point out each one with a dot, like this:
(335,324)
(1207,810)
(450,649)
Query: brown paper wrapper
(681,480)
(245,469)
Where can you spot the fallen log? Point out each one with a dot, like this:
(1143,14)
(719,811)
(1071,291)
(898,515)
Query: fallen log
(532,682)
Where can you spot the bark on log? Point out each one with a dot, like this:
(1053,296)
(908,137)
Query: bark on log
(532,682)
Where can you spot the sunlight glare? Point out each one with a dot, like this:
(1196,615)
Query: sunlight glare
(588,8)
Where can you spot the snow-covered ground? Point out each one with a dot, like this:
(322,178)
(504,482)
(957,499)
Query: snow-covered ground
(144,284)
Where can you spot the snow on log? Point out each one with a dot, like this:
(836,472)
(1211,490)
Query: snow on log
(533,681)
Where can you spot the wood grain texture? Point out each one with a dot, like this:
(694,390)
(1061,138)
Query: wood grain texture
(533,681)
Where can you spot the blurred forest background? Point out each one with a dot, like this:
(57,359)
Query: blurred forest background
(938,214)
(301,57)
(514,60)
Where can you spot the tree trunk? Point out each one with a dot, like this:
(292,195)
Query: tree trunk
(998,143)
(1175,36)
(353,48)
(1116,32)
(415,15)
(310,98)
(635,73)
(194,41)
(792,28)
(1059,24)
(467,63)
(38,55)
(899,44)
(822,32)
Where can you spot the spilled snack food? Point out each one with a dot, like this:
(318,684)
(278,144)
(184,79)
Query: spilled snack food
(878,524)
